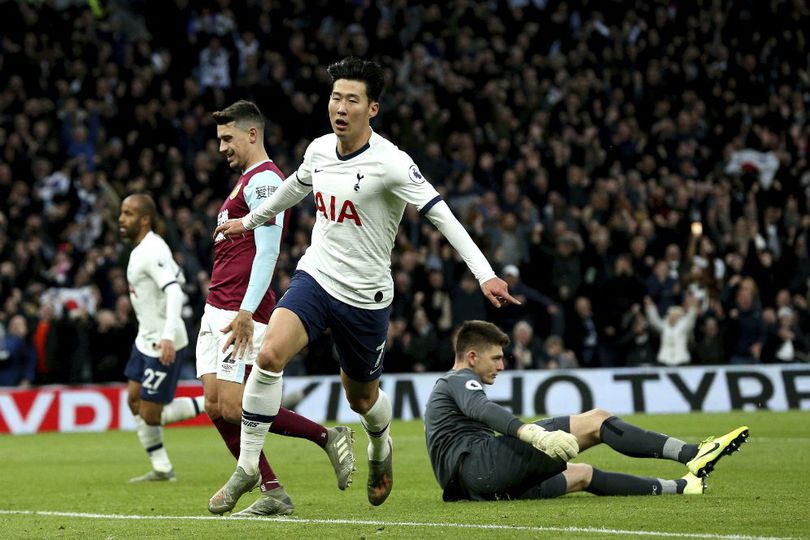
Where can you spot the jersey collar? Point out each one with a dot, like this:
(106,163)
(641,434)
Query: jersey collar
(356,152)
(256,165)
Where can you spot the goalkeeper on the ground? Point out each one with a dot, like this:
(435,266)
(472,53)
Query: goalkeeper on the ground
(480,451)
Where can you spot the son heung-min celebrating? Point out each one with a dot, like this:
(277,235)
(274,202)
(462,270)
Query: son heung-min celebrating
(361,184)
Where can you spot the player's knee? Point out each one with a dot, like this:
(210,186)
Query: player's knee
(212,409)
(151,416)
(134,403)
(601,415)
(360,405)
(594,420)
(270,359)
(230,413)
(578,476)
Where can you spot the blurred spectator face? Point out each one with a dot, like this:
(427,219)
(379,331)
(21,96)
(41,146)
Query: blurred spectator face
(674,313)
(565,247)
(783,298)
(744,299)
(80,134)
(638,247)
(436,280)
(47,312)
(106,320)
(469,284)
(408,261)
(583,307)
(706,246)
(511,274)
(640,324)
(660,270)
(766,258)
(647,229)
(420,320)
(18,326)
(123,307)
(509,222)
(622,266)
(402,282)
(523,333)
(40,169)
(554,346)
(673,253)
(786,317)
(735,262)
(711,329)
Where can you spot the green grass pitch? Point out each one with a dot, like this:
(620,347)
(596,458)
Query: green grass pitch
(47,479)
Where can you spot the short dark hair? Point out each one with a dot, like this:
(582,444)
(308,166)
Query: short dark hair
(245,113)
(356,69)
(475,334)
(146,206)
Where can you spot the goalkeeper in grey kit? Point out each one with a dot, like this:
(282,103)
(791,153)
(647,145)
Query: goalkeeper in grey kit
(531,460)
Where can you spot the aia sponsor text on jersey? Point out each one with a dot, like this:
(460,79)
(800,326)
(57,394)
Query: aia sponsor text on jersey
(337,211)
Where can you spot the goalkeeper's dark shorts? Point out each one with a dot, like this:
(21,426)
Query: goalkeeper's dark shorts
(508,468)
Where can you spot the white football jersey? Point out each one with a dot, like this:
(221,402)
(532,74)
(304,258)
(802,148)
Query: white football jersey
(359,200)
(150,270)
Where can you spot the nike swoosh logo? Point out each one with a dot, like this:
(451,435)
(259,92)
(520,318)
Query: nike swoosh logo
(713,448)
(317,170)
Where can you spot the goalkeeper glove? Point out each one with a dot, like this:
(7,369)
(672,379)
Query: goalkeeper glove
(557,444)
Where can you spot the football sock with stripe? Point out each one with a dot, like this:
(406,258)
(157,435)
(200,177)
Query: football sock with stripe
(377,423)
(231,433)
(610,483)
(291,424)
(260,404)
(633,441)
(151,438)
(181,408)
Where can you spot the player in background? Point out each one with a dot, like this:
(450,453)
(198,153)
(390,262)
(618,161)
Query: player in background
(529,460)
(238,308)
(157,356)
(361,183)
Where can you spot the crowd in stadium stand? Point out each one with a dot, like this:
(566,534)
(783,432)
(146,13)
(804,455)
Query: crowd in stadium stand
(637,170)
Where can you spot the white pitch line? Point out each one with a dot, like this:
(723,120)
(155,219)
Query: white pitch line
(527,528)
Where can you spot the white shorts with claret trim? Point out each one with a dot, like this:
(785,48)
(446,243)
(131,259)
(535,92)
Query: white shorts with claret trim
(211,359)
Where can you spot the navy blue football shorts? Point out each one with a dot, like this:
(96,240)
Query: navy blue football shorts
(158,382)
(359,334)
